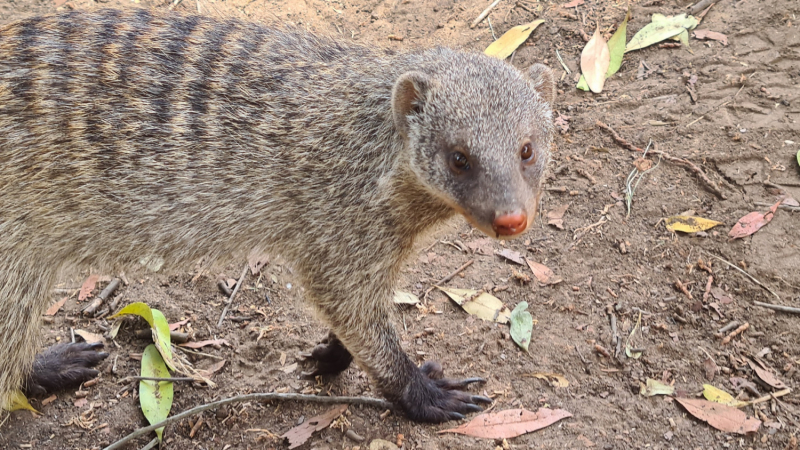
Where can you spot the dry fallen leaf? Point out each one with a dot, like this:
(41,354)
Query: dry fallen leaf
(53,309)
(298,435)
(505,45)
(689,224)
(722,417)
(212,369)
(713,35)
(257,260)
(710,368)
(87,287)
(543,273)
(177,325)
(90,337)
(482,246)
(752,222)
(405,298)
(555,216)
(766,376)
(483,305)
(554,379)
(655,387)
(595,60)
(717,395)
(511,255)
(509,423)
(572,4)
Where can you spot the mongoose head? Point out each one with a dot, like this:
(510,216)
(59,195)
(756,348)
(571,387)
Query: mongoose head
(479,132)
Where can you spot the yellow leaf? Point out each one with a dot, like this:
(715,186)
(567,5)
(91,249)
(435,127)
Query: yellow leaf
(655,387)
(595,60)
(480,304)
(690,224)
(554,379)
(17,401)
(714,394)
(504,46)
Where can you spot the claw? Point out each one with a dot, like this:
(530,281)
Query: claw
(473,408)
(455,416)
(481,399)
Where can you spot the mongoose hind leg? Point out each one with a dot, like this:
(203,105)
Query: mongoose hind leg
(331,357)
(433,398)
(63,366)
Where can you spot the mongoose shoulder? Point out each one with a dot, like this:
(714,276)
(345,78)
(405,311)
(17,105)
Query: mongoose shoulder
(132,133)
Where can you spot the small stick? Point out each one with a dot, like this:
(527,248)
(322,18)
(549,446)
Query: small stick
(450,277)
(383,404)
(735,332)
(599,349)
(683,289)
(781,308)
(701,5)
(679,161)
(485,13)
(196,427)
(783,207)
(708,289)
(772,395)
(745,273)
(733,324)
(233,295)
(223,286)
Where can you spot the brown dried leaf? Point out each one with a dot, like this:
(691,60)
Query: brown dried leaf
(712,35)
(752,222)
(555,216)
(53,309)
(257,260)
(766,376)
(511,255)
(710,368)
(177,325)
(483,246)
(212,369)
(509,423)
(298,435)
(572,4)
(90,337)
(722,417)
(543,273)
(216,343)
(87,287)
(595,60)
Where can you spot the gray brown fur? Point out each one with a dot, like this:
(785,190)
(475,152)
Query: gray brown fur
(125,134)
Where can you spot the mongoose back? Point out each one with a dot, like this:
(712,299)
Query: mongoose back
(128,134)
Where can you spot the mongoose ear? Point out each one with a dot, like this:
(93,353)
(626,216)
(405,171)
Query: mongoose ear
(408,98)
(543,81)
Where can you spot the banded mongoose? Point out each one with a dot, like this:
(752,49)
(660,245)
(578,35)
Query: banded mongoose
(128,134)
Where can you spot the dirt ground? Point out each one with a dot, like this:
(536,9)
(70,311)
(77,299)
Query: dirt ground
(743,131)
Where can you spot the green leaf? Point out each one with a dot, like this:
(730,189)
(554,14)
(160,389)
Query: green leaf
(582,85)
(155,397)
(521,325)
(158,323)
(660,29)
(616,45)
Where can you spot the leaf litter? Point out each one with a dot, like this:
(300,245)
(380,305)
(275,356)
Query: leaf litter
(298,435)
(521,325)
(753,222)
(506,44)
(509,423)
(595,60)
(478,303)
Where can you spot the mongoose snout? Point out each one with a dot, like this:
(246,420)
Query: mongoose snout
(510,224)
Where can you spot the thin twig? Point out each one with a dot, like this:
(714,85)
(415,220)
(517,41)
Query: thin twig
(781,308)
(382,404)
(233,295)
(485,13)
(745,273)
(450,276)
(735,333)
(679,161)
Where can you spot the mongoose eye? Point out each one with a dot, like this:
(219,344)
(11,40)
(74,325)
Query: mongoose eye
(459,162)
(527,154)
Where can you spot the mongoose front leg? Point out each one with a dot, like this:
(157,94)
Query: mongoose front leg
(432,398)
(63,366)
(331,357)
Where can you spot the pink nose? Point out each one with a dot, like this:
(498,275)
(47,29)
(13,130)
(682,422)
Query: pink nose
(510,224)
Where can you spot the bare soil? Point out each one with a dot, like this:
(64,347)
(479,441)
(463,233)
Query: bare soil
(738,132)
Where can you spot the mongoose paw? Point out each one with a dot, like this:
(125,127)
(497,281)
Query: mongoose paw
(432,398)
(331,357)
(63,366)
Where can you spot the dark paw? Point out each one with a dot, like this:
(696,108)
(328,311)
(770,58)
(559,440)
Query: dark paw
(330,356)
(63,366)
(432,398)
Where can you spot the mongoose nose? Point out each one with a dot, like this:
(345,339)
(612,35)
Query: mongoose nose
(510,224)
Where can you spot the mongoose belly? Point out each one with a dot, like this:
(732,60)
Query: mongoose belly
(126,134)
